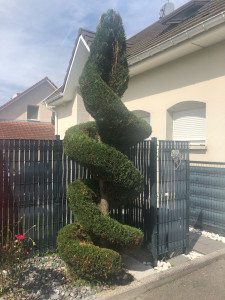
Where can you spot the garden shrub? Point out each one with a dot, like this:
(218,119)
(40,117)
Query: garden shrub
(92,245)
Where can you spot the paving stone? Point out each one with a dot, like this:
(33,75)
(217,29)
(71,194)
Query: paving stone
(178,260)
(206,245)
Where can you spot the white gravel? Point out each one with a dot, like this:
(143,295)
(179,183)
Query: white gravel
(193,255)
(162,266)
(45,278)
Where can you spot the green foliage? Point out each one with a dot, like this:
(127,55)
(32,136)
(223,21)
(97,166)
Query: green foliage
(90,246)
(84,259)
(104,230)
(103,82)
(123,180)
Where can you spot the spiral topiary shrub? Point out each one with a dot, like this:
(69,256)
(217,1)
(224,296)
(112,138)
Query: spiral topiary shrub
(91,247)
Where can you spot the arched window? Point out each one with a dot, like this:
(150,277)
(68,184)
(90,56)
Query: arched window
(142,114)
(189,122)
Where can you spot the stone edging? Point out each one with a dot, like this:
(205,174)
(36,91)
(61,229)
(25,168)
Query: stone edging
(137,288)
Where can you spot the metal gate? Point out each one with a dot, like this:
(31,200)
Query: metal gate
(172,198)
(162,210)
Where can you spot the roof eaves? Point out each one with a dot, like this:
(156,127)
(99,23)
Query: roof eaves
(51,82)
(55,95)
(88,37)
(157,33)
(170,42)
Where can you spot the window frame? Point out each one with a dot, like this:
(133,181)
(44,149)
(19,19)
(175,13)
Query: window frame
(33,106)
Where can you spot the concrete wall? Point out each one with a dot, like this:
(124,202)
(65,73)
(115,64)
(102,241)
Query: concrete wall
(199,77)
(18,109)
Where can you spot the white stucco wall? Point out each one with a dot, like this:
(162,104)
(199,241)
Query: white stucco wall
(196,77)
(71,113)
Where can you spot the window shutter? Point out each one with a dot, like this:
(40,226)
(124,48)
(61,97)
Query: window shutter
(189,125)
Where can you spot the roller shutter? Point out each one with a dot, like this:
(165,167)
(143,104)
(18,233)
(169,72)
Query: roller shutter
(189,125)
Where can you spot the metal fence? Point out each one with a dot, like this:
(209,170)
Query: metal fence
(173,197)
(162,211)
(207,195)
(34,176)
(137,213)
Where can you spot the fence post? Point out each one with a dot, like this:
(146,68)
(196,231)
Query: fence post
(187,204)
(1,193)
(153,199)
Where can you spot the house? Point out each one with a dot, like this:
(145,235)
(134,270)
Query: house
(66,101)
(26,106)
(177,79)
(26,130)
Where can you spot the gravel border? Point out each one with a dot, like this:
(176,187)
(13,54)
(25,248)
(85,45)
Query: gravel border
(46,278)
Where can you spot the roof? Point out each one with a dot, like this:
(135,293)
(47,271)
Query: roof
(26,91)
(88,36)
(26,130)
(55,95)
(163,29)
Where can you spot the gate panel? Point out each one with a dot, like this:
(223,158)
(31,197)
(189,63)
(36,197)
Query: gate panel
(173,200)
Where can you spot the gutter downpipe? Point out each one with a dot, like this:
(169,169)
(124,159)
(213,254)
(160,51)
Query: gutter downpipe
(56,117)
(185,35)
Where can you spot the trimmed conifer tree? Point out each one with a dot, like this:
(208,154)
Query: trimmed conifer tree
(91,247)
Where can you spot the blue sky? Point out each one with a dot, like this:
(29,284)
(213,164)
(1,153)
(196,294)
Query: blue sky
(37,36)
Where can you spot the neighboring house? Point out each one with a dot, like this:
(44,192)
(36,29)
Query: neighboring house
(26,130)
(177,79)
(26,106)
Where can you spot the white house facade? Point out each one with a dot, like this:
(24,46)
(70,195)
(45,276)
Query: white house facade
(177,79)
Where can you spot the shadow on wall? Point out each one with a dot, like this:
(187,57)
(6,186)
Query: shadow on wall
(194,68)
(194,237)
(67,109)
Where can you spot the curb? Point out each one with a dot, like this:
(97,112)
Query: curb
(137,288)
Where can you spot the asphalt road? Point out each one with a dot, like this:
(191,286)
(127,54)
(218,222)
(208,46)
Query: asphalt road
(207,283)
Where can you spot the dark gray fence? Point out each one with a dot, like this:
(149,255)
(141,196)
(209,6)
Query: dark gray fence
(173,197)
(207,195)
(162,211)
(34,176)
(137,214)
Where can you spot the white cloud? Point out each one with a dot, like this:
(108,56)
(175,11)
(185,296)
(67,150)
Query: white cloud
(37,37)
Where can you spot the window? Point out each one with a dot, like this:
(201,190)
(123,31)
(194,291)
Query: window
(142,114)
(32,112)
(189,123)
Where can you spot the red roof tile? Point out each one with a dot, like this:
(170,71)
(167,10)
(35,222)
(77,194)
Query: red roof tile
(26,130)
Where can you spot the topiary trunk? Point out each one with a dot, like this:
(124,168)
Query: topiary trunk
(90,246)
